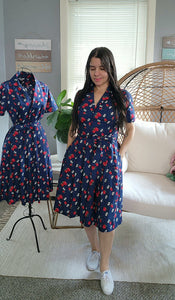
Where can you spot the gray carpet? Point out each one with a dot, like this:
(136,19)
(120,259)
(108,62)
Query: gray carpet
(23,288)
(13,288)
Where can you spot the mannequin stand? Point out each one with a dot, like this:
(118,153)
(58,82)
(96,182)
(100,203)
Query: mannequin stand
(30,215)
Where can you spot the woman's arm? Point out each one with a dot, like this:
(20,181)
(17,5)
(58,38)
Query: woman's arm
(130,129)
(70,137)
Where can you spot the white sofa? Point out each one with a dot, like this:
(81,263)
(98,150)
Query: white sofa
(146,188)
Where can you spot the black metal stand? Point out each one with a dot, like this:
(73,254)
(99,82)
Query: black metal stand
(30,215)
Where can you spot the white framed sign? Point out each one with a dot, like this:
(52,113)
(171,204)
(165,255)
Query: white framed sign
(33,54)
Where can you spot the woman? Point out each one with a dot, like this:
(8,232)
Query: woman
(90,183)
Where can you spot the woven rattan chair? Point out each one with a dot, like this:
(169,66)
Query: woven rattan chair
(149,192)
(152,87)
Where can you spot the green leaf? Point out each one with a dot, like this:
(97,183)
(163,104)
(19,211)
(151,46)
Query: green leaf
(171,176)
(61,97)
(66,102)
(52,118)
(61,119)
(62,136)
(64,120)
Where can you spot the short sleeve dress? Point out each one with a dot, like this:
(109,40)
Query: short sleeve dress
(25,170)
(90,182)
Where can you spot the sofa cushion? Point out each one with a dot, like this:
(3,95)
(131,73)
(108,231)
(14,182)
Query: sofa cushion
(152,147)
(125,163)
(149,194)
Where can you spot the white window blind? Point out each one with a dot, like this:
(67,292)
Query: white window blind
(120,25)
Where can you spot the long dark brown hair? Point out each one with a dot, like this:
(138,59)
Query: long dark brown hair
(108,63)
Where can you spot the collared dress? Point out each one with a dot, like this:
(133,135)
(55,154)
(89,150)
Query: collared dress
(25,170)
(90,183)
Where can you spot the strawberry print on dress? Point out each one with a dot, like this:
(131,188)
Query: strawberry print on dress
(25,171)
(90,182)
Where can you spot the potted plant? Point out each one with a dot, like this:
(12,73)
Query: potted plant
(60,120)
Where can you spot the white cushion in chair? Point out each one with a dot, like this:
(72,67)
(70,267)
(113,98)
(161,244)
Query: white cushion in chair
(152,147)
(149,194)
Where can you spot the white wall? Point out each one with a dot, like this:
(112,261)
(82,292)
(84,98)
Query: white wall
(164,25)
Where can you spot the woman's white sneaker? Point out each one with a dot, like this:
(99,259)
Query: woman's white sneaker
(107,283)
(93,260)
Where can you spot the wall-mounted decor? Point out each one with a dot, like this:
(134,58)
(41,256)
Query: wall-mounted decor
(33,54)
(168,48)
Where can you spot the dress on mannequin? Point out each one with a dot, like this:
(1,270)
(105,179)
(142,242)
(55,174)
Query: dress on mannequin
(25,171)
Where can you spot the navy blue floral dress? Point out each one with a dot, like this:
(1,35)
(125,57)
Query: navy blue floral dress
(25,171)
(90,182)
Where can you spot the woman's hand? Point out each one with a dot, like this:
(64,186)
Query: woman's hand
(130,129)
(70,137)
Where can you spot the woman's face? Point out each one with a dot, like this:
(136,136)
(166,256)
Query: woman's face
(97,73)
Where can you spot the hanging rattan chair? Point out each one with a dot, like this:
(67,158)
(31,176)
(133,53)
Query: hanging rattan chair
(152,87)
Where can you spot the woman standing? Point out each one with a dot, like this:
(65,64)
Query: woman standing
(90,183)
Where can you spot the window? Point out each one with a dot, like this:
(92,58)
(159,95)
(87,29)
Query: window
(121,25)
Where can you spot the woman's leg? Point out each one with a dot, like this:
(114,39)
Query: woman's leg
(93,259)
(105,242)
(93,237)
